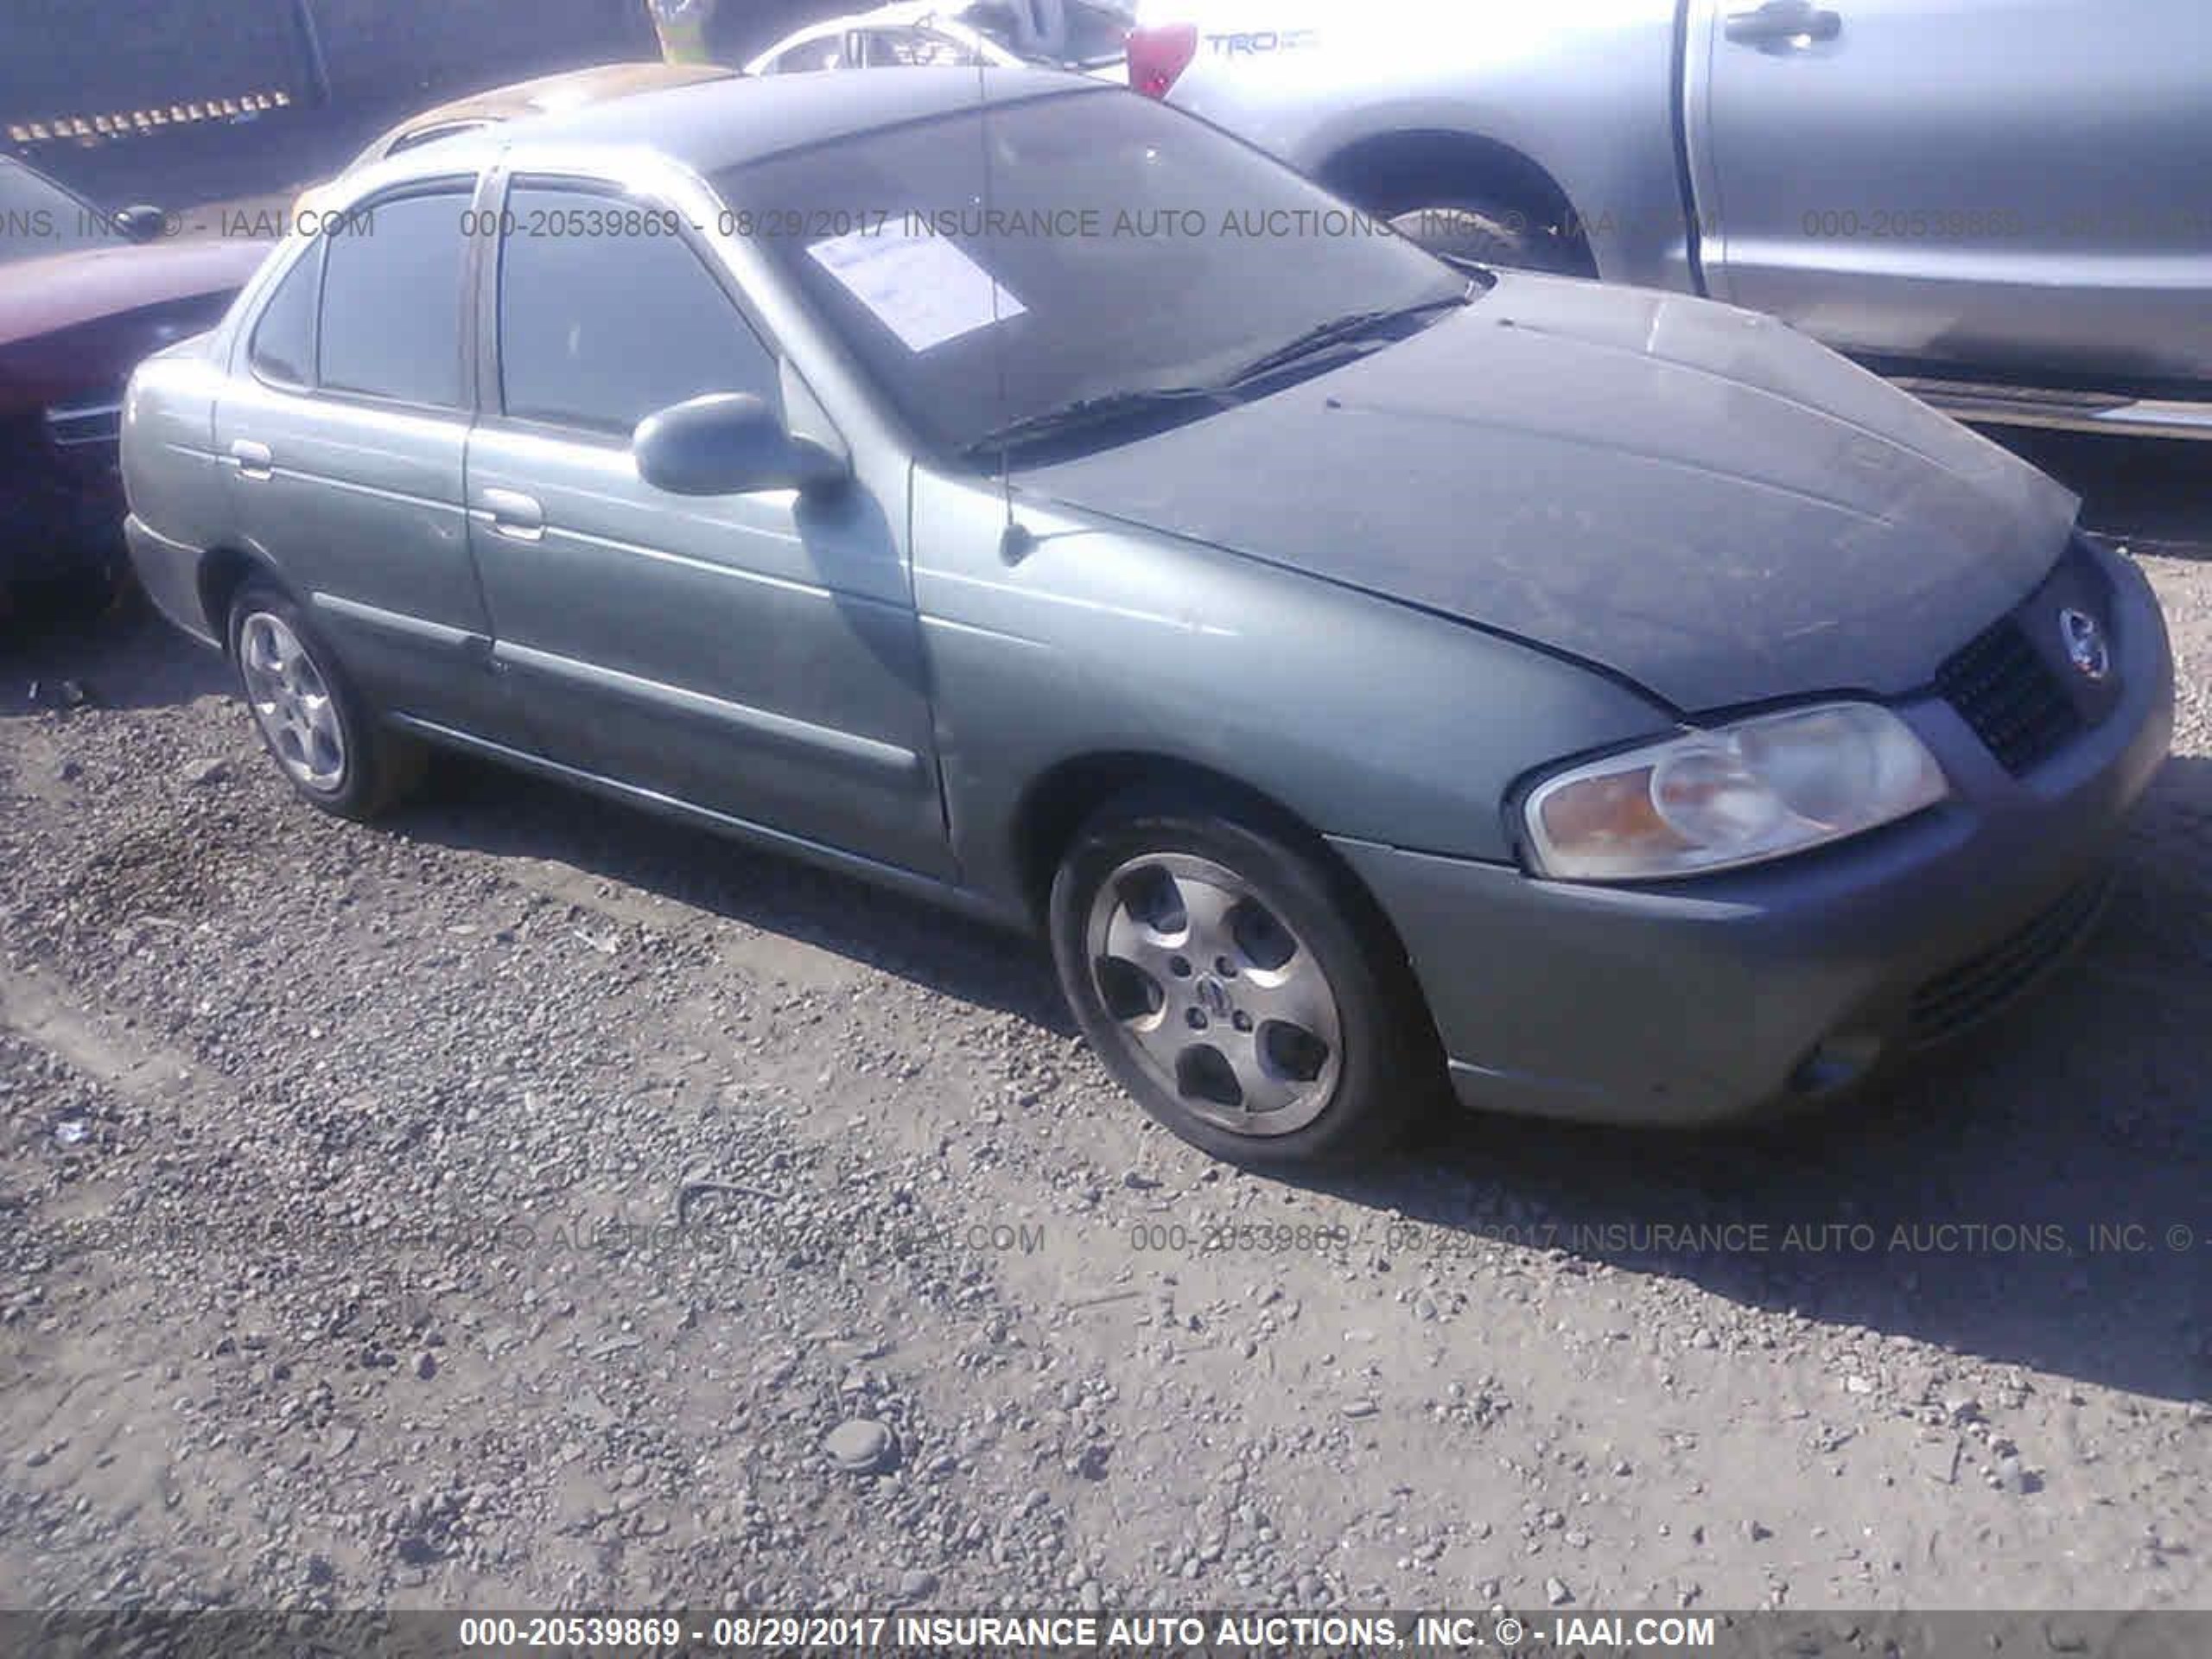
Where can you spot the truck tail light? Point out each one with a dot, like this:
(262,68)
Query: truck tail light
(1157,54)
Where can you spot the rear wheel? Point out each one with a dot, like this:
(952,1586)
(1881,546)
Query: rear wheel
(1236,987)
(322,737)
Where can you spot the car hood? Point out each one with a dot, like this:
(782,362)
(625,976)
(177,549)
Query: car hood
(63,291)
(1693,497)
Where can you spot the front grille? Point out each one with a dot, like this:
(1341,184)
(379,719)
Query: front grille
(1969,993)
(2011,697)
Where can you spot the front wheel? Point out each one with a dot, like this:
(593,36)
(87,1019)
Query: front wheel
(1236,986)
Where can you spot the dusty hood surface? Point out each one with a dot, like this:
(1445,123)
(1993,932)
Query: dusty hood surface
(1700,500)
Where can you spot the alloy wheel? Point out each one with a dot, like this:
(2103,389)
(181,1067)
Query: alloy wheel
(292,703)
(1216,997)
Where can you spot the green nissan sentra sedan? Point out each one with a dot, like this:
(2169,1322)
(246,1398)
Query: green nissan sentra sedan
(1370,671)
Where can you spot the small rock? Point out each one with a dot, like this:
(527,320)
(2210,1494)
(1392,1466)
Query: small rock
(914,1584)
(205,772)
(1556,1592)
(1961,1407)
(426,1365)
(1358,1408)
(860,1446)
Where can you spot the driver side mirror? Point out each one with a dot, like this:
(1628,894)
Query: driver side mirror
(730,443)
(141,223)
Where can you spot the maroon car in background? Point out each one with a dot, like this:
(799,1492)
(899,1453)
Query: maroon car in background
(84,296)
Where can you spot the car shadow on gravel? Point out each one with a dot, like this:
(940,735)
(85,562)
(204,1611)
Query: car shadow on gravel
(126,656)
(2041,1195)
(490,809)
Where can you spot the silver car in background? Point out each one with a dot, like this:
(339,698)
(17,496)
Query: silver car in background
(1364,670)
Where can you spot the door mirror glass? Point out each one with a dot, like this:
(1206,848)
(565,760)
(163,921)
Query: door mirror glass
(728,443)
(142,223)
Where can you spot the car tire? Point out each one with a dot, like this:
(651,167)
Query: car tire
(1238,984)
(325,740)
(1488,233)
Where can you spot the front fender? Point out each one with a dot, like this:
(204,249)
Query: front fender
(1366,718)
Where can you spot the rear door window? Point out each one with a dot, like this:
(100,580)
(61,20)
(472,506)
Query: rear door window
(823,52)
(392,301)
(896,48)
(283,348)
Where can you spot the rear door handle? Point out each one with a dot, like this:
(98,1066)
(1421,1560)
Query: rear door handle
(1784,22)
(513,513)
(253,459)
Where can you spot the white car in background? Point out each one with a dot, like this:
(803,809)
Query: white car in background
(1081,35)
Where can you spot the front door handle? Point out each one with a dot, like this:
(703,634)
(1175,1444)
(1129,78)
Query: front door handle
(513,513)
(1784,22)
(253,459)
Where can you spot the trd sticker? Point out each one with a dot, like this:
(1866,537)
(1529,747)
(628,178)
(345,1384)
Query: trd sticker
(1252,43)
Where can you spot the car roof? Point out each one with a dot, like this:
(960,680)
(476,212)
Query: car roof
(568,88)
(722,124)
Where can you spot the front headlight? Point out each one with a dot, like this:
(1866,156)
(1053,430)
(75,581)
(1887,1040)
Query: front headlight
(1736,794)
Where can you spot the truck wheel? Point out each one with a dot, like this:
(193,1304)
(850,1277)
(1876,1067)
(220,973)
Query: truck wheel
(1490,233)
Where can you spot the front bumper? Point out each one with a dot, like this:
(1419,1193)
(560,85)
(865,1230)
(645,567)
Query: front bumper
(1700,1001)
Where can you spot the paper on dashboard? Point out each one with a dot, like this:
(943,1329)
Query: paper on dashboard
(924,288)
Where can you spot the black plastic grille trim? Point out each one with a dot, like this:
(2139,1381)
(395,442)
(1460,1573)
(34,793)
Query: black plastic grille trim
(2011,697)
(1966,995)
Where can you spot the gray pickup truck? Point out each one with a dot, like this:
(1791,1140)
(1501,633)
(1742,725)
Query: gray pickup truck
(2004,204)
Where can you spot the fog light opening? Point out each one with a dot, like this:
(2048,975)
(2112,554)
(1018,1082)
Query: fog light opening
(1836,1065)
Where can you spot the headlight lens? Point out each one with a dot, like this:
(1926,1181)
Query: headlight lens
(1736,794)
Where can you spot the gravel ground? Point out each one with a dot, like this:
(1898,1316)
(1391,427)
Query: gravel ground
(523,1202)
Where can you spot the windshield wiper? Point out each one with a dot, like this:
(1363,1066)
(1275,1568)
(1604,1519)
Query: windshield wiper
(1136,403)
(1339,331)
(1108,410)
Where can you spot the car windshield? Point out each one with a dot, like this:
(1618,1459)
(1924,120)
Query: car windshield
(1063,251)
(38,217)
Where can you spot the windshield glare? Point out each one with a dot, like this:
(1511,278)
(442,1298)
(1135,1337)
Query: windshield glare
(1131,248)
